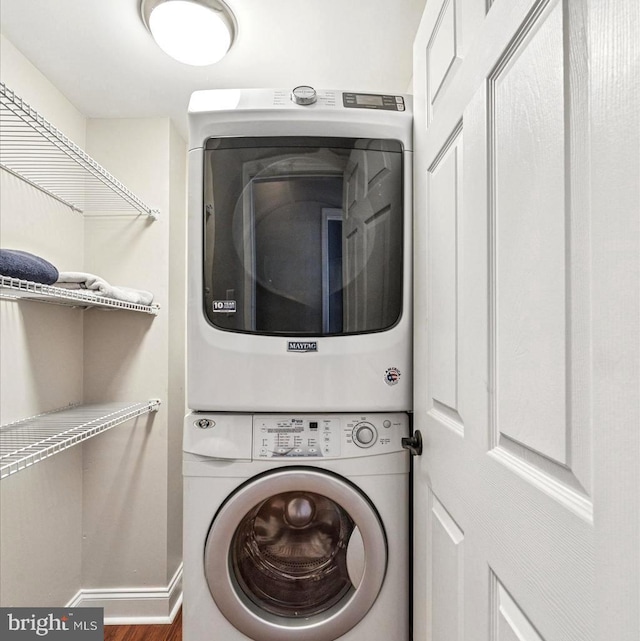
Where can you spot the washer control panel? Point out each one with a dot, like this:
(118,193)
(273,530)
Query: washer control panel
(327,435)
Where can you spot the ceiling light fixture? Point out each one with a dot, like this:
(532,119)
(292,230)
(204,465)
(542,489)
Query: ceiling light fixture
(196,32)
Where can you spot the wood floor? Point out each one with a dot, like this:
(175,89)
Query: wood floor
(171,632)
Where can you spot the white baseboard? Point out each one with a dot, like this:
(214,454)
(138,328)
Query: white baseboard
(134,606)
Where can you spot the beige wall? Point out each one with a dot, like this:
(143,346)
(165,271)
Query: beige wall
(130,473)
(32,352)
(40,507)
(105,515)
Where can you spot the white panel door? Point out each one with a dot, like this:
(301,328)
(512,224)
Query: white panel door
(527,321)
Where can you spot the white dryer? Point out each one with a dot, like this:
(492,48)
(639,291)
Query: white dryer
(299,247)
(296,527)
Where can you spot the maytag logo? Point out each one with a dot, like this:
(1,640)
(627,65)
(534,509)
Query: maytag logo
(302,346)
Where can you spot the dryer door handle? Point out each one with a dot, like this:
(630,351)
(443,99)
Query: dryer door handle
(355,557)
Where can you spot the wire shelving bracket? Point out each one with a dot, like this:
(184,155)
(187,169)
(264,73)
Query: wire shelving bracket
(28,441)
(32,149)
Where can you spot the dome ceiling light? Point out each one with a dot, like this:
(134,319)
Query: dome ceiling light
(195,32)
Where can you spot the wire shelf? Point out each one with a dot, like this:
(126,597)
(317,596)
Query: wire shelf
(32,149)
(26,442)
(16,289)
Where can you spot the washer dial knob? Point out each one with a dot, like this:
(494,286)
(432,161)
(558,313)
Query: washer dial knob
(304,95)
(364,435)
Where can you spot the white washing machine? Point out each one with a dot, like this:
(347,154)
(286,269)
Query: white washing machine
(296,527)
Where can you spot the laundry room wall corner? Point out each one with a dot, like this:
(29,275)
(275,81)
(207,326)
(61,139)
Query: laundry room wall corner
(132,477)
(40,507)
(177,344)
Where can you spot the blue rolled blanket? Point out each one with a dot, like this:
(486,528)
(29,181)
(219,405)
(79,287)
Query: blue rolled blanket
(18,264)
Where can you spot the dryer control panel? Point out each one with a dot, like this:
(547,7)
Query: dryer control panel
(327,435)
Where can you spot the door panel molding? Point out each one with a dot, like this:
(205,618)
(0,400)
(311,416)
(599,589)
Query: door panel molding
(558,483)
(444,184)
(527,214)
(443,52)
(539,242)
(508,621)
(446,554)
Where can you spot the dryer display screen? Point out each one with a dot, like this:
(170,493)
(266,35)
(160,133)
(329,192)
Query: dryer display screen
(373,101)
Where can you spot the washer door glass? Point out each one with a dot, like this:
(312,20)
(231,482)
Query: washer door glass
(295,554)
(289,554)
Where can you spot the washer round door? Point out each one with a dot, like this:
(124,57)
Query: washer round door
(295,555)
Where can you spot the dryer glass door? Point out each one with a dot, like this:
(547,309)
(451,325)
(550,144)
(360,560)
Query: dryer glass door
(303,236)
(289,554)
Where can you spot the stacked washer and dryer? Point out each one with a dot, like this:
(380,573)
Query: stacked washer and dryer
(296,484)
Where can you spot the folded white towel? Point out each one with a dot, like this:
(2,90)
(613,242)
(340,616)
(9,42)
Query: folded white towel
(99,286)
